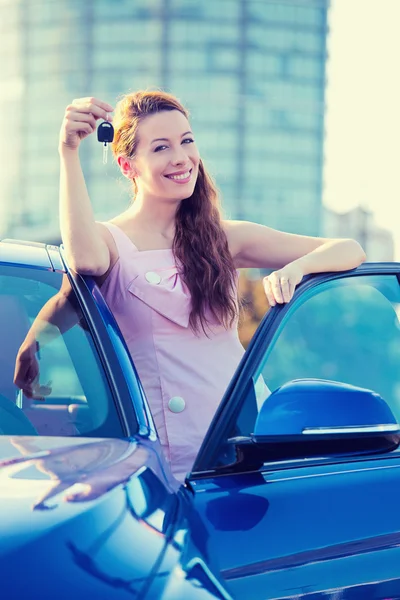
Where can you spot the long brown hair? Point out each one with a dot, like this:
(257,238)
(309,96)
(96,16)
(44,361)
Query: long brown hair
(200,244)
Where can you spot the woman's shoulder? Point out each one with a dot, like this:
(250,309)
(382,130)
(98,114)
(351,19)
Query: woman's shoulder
(234,234)
(115,231)
(105,231)
(113,236)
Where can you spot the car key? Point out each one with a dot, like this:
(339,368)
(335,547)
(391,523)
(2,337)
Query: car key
(105,134)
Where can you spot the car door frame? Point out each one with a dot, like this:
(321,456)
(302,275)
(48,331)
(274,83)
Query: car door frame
(231,403)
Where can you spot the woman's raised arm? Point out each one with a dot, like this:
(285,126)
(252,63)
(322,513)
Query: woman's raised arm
(86,248)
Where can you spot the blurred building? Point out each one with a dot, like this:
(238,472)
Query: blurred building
(359,224)
(252,73)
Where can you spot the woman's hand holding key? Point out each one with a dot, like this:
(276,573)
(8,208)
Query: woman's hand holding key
(85,249)
(80,120)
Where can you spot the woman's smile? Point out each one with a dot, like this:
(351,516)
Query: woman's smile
(180,176)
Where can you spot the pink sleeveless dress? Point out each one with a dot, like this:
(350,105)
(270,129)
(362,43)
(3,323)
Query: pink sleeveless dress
(184,375)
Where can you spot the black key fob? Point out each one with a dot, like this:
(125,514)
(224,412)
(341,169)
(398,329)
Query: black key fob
(105,132)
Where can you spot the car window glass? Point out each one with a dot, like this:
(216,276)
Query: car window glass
(347,331)
(57,367)
(69,395)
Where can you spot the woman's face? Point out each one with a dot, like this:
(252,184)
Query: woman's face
(166,163)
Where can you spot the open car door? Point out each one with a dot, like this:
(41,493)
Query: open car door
(299,489)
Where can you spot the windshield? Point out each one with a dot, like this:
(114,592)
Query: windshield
(51,378)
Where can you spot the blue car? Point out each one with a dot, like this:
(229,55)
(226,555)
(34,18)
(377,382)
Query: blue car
(293,495)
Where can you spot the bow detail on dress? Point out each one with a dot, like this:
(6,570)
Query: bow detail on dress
(163,290)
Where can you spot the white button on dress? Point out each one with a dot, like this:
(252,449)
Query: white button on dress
(153,277)
(176,404)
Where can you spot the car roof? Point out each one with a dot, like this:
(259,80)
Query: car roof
(31,254)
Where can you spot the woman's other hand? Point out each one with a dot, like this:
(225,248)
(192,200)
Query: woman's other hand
(279,286)
(80,120)
(26,374)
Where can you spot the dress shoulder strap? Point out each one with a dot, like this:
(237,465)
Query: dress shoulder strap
(122,241)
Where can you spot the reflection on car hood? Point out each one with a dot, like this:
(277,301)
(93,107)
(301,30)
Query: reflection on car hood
(67,517)
(96,518)
(34,470)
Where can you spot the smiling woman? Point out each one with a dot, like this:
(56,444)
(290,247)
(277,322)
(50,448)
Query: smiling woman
(168,265)
(155,149)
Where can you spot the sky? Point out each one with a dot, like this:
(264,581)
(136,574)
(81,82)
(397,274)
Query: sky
(362,146)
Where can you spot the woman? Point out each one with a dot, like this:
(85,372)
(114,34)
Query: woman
(167,265)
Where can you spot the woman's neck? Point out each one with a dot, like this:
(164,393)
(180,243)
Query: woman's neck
(154,216)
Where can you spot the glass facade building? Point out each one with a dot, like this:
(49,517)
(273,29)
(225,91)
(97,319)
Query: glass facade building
(251,72)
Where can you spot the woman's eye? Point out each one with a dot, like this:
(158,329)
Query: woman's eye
(163,146)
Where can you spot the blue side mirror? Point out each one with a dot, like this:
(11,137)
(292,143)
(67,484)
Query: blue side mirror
(314,418)
(314,409)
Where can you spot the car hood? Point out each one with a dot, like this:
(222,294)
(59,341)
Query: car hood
(73,513)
